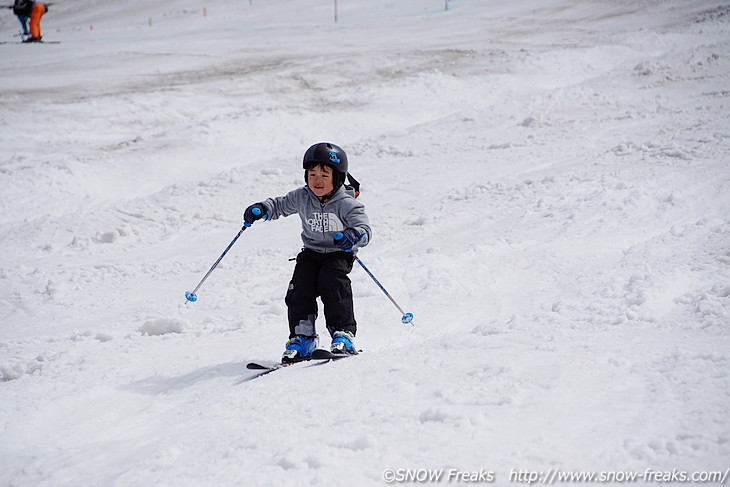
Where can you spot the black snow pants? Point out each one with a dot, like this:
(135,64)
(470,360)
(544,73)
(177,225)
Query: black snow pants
(324,276)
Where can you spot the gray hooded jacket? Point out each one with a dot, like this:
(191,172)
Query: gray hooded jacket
(320,221)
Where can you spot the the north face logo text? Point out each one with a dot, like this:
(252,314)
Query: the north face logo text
(325,222)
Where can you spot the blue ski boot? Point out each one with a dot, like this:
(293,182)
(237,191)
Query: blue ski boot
(342,343)
(299,348)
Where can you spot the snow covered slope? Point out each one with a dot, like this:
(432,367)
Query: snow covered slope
(547,183)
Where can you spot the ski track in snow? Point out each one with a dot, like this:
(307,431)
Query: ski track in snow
(547,183)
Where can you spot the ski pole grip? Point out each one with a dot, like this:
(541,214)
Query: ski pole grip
(338,236)
(256,211)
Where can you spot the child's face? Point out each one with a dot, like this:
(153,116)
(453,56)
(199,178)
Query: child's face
(320,180)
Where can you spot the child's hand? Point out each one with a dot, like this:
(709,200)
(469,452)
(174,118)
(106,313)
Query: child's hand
(253,213)
(347,240)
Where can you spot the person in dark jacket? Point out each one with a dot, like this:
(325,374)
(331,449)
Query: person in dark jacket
(23,9)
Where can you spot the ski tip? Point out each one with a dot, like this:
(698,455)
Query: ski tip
(322,354)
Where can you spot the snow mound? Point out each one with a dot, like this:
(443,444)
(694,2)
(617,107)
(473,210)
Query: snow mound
(162,326)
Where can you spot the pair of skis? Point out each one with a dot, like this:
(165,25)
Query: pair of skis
(320,356)
(23,42)
(24,38)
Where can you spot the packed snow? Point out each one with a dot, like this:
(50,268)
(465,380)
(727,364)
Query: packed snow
(547,183)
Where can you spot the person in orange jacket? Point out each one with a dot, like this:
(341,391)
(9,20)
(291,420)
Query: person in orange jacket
(39,9)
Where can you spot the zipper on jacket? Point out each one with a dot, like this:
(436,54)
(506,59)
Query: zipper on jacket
(324,232)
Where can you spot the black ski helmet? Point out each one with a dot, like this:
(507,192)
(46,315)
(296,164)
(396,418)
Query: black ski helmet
(329,155)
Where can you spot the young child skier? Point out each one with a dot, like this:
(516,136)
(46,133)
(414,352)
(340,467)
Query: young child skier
(334,226)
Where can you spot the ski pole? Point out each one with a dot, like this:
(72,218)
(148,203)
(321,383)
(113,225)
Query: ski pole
(407,317)
(190,295)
